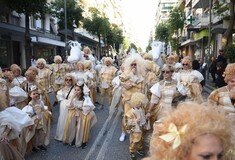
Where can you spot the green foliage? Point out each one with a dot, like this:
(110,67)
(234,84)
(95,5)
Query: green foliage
(176,20)
(174,43)
(162,32)
(219,9)
(115,36)
(97,25)
(37,8)
(229,52)
(74,13)
(126,43)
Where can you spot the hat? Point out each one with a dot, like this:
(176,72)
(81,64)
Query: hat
(137,98)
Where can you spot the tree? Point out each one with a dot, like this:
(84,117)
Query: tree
(176,24)
(162,32)
(115,37)
(36,8)
(97,25)
(74,13)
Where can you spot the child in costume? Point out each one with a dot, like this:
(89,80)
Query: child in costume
(135,122)
(43,123)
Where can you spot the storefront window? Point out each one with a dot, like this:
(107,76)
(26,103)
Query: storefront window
(5,58)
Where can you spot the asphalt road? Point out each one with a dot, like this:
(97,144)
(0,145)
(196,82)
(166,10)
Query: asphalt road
(103,142)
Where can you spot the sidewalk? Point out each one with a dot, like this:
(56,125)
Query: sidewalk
(210,85)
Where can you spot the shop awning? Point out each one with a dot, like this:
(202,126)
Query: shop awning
(48,41)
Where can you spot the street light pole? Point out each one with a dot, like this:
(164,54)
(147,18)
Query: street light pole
(209,36)
(65,24)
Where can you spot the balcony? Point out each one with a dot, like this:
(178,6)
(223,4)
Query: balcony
(188,3)
(197,22)
(200,3)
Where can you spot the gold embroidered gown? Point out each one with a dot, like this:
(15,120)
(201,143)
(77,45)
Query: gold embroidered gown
(81,118)
(163,93)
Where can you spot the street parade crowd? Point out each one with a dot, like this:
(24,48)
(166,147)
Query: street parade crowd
(165,100)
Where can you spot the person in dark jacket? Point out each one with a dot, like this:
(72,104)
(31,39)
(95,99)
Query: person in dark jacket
(212,68)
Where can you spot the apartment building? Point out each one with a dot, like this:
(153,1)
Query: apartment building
(195,40)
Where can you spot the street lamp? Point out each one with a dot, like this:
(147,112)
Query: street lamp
(65,24)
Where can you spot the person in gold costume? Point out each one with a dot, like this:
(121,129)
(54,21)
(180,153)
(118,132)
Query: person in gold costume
(43,123)
(132,80)
(192,132)
(81,118)
(13,121)
(189,81)
(63,97)
(92,80)
(59,70)
(222,97)
(135,122)
(44,78)
(162,96)
(4,94)
(155,67)
(107,74)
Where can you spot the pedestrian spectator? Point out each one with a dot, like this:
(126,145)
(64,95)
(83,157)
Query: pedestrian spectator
(212,68)
(202,70)
(221,65)
(184,135)
(195,65)
(220,56)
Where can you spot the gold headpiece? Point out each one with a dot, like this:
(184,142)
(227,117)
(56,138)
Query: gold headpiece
(33,88)
(80,83)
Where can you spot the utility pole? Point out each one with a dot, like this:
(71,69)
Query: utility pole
(65,24)
(209,36)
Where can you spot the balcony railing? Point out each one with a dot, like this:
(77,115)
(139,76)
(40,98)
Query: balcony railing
(48,33)
(200,3)
(198,21)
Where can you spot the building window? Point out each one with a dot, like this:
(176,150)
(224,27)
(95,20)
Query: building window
(5,56)
(33,22)
(15,20)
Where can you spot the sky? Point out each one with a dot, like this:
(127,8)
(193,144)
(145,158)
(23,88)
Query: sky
(140,14)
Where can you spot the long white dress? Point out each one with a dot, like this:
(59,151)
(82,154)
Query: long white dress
(63,97)
(16,120)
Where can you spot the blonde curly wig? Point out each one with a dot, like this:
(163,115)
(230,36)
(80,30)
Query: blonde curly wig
(138,60)
(148,56)
(194,116)
(229,72)
(187,60)
(171,57)
(57,58)
(41,60)
(137,98)
(8,75)
(68,75)
(31,72)
(106,59)
(87,65)
(15,67)
(86,50)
